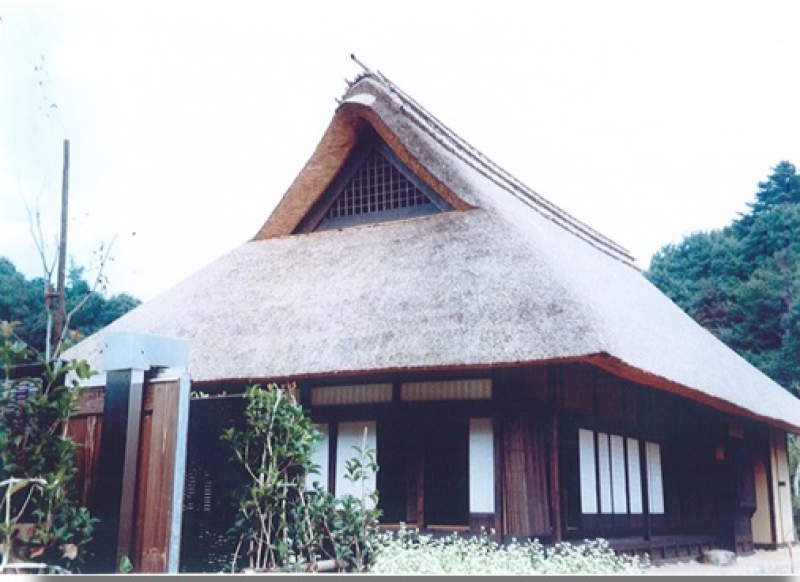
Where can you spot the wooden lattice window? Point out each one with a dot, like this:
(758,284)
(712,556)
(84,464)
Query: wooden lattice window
(377,186)
(372,186)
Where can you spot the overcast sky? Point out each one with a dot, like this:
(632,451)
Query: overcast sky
(188,120)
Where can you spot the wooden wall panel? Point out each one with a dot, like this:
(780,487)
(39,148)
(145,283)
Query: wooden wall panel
(525,491)
(86,431)
(143,467)
(578,390)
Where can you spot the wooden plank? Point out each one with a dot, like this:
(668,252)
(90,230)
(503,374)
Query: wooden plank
(147,402)
(420,498)
(143,467)
(86,431)
(577,388)
(91,402)
(159,485)
(536,380)
(555,487)
(610,401)
(554,389)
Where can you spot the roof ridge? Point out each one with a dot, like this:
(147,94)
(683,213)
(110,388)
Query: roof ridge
(492,171)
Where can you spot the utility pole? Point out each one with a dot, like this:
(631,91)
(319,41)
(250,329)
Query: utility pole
(61,311)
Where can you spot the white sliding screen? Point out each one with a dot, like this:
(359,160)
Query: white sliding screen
(481,466)
(352,434)
(321,457)
(634,476)
(586,459)
(655,484)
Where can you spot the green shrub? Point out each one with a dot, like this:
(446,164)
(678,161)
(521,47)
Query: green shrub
(283,525)
(409,552)
(42,519)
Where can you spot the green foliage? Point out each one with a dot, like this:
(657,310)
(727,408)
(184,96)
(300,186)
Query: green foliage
(742,282)
(125,565)
(781,187)
(22,300)
(282,524)
(37,456)
(355,525)
(275,449)
(409,552)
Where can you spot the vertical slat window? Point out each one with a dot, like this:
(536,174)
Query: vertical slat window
(618,484)
(476,389)
(481,466)
(349,435)
(320,457)
(586,458)
(355,394)
(655,484)
(634,476)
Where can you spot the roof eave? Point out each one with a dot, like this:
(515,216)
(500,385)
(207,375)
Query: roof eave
(602,360)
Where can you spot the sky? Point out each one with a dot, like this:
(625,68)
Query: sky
(187,121)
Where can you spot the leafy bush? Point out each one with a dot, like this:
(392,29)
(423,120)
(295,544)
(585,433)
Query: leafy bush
(409,552)
(355,525)
(282,524)
(275,449)
(43,520)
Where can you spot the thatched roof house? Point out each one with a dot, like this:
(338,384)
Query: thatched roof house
(400,253)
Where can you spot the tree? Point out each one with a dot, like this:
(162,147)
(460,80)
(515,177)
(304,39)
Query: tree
(742,282)
(781,187)
(22,300)
(701,274)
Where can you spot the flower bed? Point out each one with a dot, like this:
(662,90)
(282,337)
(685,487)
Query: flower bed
(409,552)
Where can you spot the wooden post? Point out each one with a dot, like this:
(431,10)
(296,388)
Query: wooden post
(554,392)
(116,480)
(61,312)
(555,491)
(499,471)
(645,476)
(333,438)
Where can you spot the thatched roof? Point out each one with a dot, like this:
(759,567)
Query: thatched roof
(504,278)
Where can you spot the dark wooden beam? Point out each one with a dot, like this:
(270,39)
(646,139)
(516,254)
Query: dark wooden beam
(333,436)
(115,486)
(554,396)
(499,471)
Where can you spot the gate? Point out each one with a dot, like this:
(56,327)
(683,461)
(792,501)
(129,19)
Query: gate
(212,478)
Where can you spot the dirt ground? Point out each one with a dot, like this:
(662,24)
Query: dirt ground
(766,562)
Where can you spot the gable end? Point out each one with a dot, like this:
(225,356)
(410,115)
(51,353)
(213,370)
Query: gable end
(373,186)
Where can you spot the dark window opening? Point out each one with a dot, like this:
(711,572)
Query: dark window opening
(423,478)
